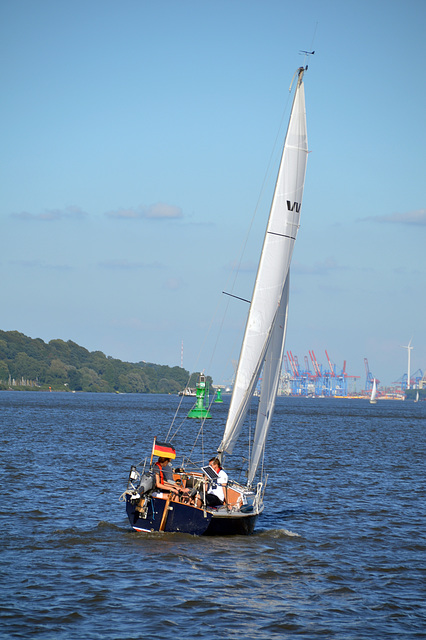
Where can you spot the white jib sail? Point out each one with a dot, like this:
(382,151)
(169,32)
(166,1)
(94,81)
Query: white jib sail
(270,382)
(277,250)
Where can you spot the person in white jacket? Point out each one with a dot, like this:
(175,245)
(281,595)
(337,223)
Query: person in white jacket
(215,495)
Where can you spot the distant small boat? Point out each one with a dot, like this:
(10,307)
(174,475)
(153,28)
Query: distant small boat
(417,397)
(189,392)
(373,392)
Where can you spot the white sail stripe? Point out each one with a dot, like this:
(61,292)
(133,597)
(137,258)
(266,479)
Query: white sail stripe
(292,146)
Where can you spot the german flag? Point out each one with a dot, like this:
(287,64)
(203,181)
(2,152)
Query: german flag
(164,450)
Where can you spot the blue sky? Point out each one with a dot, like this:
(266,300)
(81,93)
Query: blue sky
(136,137)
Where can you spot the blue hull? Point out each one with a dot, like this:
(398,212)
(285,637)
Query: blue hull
(231,526)
(180,518)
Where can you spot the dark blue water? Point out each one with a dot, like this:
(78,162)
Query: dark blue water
(339,552)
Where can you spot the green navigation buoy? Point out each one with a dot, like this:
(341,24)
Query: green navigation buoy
(219,395)
(200,410)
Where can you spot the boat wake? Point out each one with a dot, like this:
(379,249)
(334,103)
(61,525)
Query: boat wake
(279,533)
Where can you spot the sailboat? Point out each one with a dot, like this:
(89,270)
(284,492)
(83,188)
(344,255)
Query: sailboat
(373,392)
(261,352)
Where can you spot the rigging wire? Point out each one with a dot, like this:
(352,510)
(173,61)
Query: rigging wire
(236,270)
(232,278)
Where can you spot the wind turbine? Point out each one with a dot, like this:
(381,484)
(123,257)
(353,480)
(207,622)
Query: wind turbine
(408,347)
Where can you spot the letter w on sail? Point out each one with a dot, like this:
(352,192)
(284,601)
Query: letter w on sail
(292,207)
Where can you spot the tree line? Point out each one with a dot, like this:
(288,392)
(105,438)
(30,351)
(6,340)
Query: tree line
(30,363)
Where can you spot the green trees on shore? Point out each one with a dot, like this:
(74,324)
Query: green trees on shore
(27,363)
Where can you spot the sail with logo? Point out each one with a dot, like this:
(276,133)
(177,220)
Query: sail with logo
(263,344)
(262,351)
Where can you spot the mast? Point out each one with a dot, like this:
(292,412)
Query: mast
(268,306)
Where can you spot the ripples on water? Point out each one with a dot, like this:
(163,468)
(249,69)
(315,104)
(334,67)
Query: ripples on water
(339,552)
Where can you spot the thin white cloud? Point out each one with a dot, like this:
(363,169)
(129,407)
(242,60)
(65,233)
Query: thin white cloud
(138,324)
(129,265)
(243,267)
(68,213)
(408,273)
(411,218)
(40,264)
(319,268)
(173,284)
(158,211)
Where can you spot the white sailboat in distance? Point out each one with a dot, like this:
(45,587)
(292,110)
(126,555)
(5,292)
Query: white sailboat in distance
(373,399)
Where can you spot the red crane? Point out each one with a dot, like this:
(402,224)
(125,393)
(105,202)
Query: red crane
(287,368)
(296,362)
(315,364)
(292,363)
(307,365)
(330,365)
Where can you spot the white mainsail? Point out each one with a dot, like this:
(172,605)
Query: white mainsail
(265,329)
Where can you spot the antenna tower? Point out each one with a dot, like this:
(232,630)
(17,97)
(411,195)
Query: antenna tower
(408,347)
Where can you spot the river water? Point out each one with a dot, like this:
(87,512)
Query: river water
(338,553)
